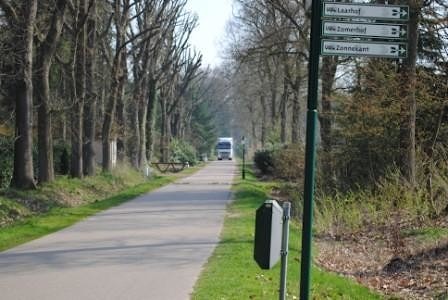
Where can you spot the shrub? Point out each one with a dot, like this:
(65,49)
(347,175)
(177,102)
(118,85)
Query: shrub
(344,214)
(6,160)
(182,152)
(391,203)
(284,162)
(61,156)
(289,162)
(264,161)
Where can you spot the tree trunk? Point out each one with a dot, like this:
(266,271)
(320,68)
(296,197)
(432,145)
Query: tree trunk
(121,21)
(76,138)
(263,120)
(296,109)
(409,105)
(151,117)
(295,130)
(23,174)
(122,130)
(108,122)
(283,112)
(329,66)
(135,112)
(142,160)
(91,96)
(253,123)
(273,86)
(254,134)
(45,53)
(44,135)
(76,169)
(134,145)
(163,130)
(176,124)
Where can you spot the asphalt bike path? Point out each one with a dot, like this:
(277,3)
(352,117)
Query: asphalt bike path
(152,247)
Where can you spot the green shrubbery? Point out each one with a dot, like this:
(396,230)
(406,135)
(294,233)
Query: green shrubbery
(6,160)
(388,204)
(289,162)
(11,211)
(389,201)
(61,157)
(183,152)
(65,192)
(264,161)
(60,152)
(286,162)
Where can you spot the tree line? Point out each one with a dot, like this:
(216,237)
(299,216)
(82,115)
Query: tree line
(375,115)
(78,71)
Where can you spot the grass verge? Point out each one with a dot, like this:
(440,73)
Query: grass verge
(58,218)
(231,273)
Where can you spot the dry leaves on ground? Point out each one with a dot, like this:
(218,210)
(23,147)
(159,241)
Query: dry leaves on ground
(419,272)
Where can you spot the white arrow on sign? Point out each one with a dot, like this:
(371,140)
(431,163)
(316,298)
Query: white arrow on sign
(361,48)
(372,11)
(364,30)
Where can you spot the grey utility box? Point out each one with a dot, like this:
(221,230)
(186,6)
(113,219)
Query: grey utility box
(268,234)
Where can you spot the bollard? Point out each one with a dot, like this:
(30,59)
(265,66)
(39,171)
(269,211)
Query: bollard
(284,249)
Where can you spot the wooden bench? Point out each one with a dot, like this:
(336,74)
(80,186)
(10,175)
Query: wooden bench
(169,166)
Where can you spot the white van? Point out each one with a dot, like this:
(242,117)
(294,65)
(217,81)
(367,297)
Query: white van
(225,148)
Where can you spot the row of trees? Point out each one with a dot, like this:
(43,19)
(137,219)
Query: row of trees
(373,112)
(98,70)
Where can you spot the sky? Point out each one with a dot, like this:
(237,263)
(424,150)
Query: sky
(208,36)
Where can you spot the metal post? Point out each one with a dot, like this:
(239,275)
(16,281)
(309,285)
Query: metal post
(284,249)
(244,154)
(310,151)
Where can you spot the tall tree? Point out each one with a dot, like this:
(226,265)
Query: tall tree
(409,104)
(91,92)
(328,71)
(45,53)
(78,73)
(121,22)
(21,17)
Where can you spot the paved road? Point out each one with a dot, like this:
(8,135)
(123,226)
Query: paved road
(152,247)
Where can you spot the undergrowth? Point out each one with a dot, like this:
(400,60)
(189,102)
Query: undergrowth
(391,202)
(64,192)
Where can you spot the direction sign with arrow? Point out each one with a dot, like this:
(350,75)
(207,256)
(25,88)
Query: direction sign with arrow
(390,31)
(370,11)
(362,48)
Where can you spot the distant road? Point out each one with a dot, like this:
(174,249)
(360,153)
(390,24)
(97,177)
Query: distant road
(149,248)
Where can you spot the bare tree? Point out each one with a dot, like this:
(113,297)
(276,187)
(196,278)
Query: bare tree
(409,104)
(45,51)
(21,18)
(78,79)
(91,92)
(121,20)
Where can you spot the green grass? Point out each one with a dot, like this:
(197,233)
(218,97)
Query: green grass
(58,218)
(231,272)
(428,234)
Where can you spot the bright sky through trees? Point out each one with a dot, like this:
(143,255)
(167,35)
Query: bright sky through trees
(213,15)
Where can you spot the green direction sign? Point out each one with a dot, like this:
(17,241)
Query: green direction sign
(389,31)
(370,11)
(363,48)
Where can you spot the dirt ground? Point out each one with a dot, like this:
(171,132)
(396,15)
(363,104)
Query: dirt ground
(406,267)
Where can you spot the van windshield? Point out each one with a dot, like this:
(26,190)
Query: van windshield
(224,146)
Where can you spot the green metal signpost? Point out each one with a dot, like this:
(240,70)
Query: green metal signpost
(310,150)
(363,37)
